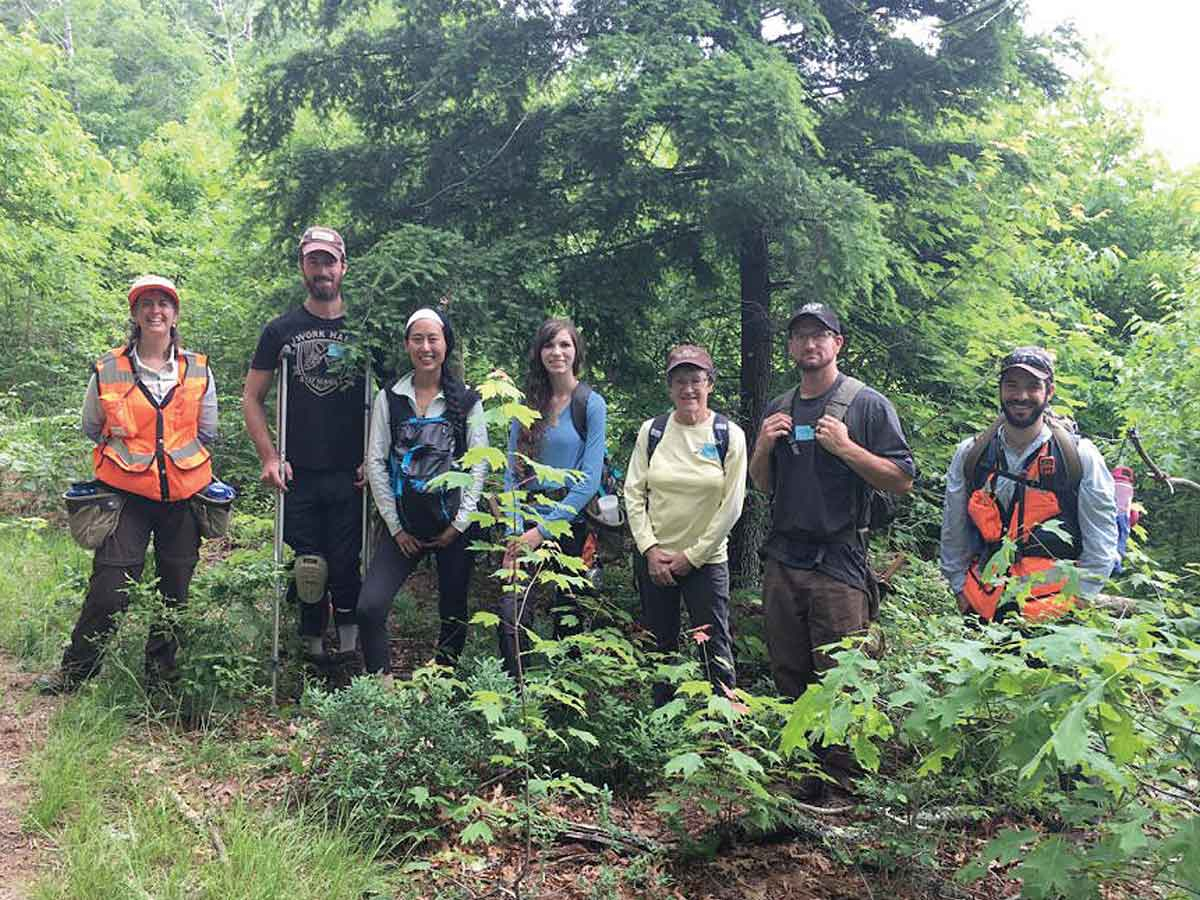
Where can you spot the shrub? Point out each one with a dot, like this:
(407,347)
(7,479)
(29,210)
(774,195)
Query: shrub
(394,759)
(224,641)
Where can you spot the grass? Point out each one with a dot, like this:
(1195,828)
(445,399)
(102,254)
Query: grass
(104,797)
(75,765)
(42,583)
(100,791)
(151,850)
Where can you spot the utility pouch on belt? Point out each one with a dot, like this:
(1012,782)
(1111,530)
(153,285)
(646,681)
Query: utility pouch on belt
(213,507)
(93,511)
(982,508)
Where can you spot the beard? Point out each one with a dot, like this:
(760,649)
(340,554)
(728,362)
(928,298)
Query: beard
(323,289)
(1022,416)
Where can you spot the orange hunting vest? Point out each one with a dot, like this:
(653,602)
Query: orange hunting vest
(149,448)
(1037,550)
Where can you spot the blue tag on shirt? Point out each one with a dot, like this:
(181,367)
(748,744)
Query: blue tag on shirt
(709,451)
(804,433)
(335,350)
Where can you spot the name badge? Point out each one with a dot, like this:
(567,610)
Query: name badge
(709,451)
(804,433)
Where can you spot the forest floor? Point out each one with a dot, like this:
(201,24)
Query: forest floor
(194,785)
(206,785)
(24,721)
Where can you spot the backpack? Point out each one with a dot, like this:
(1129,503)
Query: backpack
(1062,429)
(720,435)
(422,448)
(984,457)
(610,475)
(607,542)
(877,508)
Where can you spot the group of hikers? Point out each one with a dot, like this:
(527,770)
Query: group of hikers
(826,452)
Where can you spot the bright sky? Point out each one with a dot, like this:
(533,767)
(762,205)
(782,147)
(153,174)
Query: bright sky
(1150,49)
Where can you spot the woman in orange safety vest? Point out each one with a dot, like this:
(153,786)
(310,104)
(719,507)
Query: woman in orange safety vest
(151,409)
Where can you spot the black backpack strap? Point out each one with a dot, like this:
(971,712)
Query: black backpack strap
(400,408)
(470,398)
(657,429)
(789,402)
(579,402)
(838,406)
(721,436)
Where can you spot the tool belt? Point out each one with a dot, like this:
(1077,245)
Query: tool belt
(93,512)
(213,507)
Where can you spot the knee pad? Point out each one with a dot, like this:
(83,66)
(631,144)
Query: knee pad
(311,572)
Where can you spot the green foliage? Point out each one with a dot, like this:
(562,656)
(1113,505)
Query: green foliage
(41,562)
(39,453)
(395,762)
(1091,719)
(224,635)
(728,767)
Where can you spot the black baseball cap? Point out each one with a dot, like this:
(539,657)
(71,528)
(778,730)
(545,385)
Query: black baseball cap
(821,313)
(1034,360)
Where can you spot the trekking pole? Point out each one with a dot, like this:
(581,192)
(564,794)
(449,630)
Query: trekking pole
(366,499)
(280,579)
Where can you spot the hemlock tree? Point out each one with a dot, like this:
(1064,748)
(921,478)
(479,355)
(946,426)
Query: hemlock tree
(615,158)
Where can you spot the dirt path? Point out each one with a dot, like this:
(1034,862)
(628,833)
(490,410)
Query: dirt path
(24,718)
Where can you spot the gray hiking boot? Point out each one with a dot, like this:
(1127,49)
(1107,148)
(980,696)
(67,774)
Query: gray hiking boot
(55,684)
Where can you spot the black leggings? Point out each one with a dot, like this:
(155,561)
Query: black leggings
(389,570)
(564,605)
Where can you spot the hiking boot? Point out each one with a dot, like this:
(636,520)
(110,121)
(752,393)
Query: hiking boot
(55,684)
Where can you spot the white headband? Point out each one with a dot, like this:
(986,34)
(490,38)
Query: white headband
(423,313)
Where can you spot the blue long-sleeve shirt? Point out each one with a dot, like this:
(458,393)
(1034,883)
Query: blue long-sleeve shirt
(961,543)
(564,448)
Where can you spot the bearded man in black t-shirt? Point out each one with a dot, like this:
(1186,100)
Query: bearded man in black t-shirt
(821,450)
(323,473)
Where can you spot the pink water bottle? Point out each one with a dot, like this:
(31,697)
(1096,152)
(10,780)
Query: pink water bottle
(1123,479)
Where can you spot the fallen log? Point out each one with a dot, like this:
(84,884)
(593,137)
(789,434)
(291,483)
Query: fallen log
(1114,603)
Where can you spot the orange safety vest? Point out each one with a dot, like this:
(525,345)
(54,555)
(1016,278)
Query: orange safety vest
(149,448)
(1042,493)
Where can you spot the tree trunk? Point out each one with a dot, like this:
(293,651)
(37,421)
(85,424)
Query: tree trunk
(754,268)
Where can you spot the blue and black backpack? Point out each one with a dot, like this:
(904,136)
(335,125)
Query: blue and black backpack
(424,447)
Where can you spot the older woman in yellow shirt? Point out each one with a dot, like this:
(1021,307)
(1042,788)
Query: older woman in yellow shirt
(684,489)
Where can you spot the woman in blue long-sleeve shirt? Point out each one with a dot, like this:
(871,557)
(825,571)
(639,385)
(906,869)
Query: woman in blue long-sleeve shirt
(555,359)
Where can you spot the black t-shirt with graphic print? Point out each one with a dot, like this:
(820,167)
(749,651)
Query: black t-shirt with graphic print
(325,397)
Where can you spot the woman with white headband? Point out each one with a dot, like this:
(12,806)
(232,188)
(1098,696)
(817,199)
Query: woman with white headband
(420,424)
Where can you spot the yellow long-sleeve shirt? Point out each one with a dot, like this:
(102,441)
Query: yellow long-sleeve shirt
(693,502)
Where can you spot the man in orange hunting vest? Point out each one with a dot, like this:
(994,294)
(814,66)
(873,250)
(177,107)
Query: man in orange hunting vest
(1031,479)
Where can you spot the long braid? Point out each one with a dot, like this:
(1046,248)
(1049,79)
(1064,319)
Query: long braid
(454,391)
